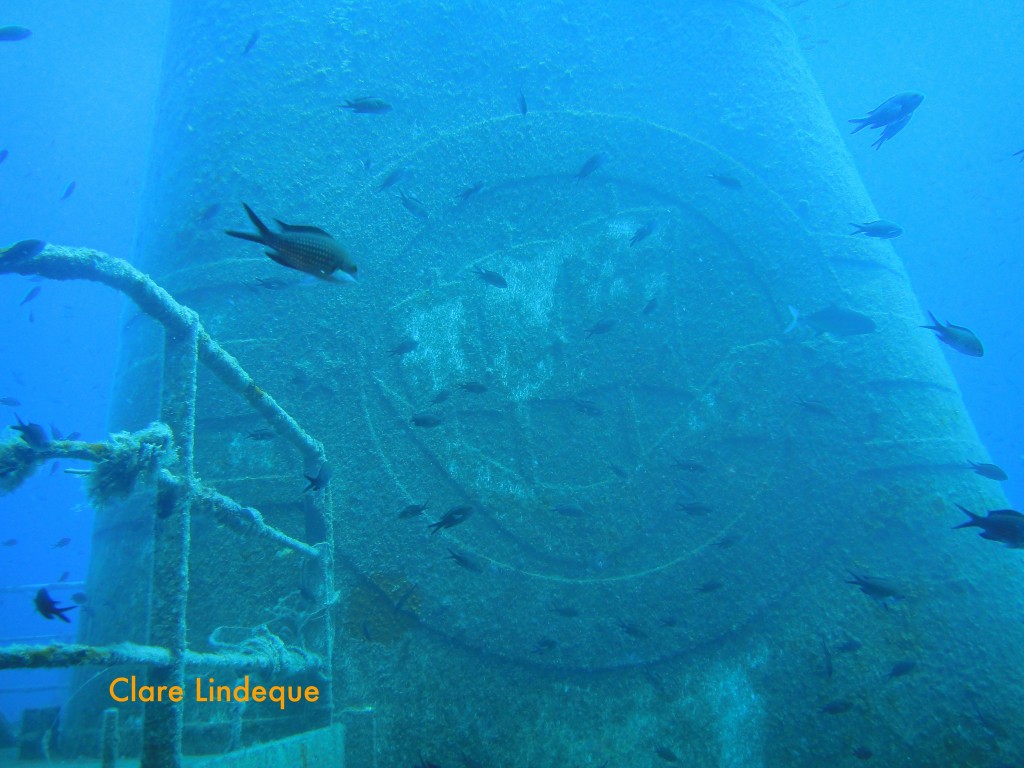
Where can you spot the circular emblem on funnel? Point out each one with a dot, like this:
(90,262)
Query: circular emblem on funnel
(572,373)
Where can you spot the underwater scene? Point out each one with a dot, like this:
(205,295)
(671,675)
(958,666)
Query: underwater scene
(464,384)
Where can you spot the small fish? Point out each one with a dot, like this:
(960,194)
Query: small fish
(874,587)
(55,433)
(10,542)
(473,387)
(632,629)
(959,338)
(568,510)
(74,436)
(618,471)
(451,518)
(79,598)
(849,646)
(521,102)
(464,560)
(318,483)
(403,348)
(414,206)
(709,586)
(815,406)
(592,164)
(397,175)
(688,465)
(991,471)
(643,232)
(469,193)
(10,402)
(32,433)
(271,283)
(13,33)
(862,753)
(729,540)
(892,110)
(832,320)
(566,611)
(64,577)
(30,295)
(54,467)
(694,508)
(544,645)
(489,277)
(48,608)
(61,543)
(413,510)
(303,248)
(837,707)
(883,229)
(1003,525)
(206,215)
(650,306)
(827,656)
(1019,152)
(367,105)
(901,668)
(586,407)
(666,754)
(726,180)
(441,396)
(24,249)
(69,190)
(262,435)
(427,420)
(602,326)
(3,155)
(252,42)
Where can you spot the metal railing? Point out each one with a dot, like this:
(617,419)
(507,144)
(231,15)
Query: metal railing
(151,455)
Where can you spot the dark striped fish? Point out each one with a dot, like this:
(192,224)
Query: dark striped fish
(307,249)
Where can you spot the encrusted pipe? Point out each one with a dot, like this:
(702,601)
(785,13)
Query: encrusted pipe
(288,660)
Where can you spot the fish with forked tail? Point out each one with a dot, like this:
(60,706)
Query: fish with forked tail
(367,105)
(318,483)
(880,228)
(959,338)
(892,115)
(48,608)
(991,471)
(451,518)
(1003,525)
(306,249)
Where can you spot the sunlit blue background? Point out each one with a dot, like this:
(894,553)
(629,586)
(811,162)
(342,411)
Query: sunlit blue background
(78,104)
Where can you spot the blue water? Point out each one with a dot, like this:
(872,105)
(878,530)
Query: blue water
(79,101)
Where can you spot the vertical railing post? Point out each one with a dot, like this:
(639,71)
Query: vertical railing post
(320,533)
(110,739)
(161,737)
